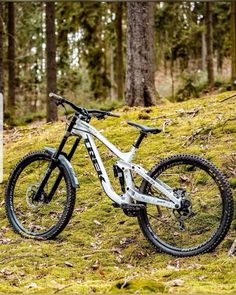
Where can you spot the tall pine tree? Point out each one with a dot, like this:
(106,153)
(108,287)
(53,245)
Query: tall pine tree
(233,44)
(209,44)
(11,56)
(51,60)
(1,47)
(140,56)
(119,50)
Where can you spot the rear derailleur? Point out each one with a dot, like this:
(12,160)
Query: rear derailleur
(185,210)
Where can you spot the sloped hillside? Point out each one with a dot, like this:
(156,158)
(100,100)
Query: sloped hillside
(103,250)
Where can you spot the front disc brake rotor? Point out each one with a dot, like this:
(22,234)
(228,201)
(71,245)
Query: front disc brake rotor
(31,190)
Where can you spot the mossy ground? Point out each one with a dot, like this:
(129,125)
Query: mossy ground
(113,256)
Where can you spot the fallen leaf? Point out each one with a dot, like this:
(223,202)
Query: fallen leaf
(201,278)
(5,241)
(67,263)
(126,241)
(94,245)
(129,266)
(176,282)
(95,265)
(194,266)
(116,250)
(6,272)
(175,265)
(32,285)
(97,222)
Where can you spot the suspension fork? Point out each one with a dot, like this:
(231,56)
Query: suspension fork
(54,160)
(60,175)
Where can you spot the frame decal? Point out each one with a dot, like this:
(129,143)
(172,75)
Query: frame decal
(94,159)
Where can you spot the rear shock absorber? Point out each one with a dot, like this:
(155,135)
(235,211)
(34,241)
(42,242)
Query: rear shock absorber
(119,173)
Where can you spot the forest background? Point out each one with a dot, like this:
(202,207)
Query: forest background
(158,63)
(82,50)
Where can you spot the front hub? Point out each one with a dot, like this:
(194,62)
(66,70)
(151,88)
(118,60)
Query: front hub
(30,193)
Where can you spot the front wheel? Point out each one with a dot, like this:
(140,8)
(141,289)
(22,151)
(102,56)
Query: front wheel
(45,218)
(207,207)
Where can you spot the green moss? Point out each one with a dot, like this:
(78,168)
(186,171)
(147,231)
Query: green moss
(101,261)
(138,285)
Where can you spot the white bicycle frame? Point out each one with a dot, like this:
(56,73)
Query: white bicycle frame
(86,131)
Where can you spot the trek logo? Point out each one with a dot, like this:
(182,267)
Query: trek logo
(94,159)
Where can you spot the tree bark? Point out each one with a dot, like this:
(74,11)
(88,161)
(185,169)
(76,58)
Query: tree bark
(203,51)
(1,47)
(63,45)
(112,74)
(51,60)
(233,44)
(11,56)
(119,51)
(209,45)
(140,70)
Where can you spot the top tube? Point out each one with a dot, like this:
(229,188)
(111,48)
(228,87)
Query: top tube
(82,128)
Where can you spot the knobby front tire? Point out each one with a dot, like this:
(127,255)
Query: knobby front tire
(38,220)
(212,205)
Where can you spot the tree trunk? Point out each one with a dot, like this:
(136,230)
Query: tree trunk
(219,60)
(140,70)
(233,44)
(63,46)
(203,51)
(11,56)
(119,51)
(1,47)
(172,76)
(209,44)
(112,74)
(51,60)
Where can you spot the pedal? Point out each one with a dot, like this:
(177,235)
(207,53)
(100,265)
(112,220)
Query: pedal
(132,210)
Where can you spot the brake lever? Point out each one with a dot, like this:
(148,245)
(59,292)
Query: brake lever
(56,101)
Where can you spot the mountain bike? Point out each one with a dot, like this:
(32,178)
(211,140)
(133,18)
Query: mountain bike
(184,204)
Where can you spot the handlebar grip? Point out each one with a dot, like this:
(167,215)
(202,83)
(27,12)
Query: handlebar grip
(114,115)
(53,95)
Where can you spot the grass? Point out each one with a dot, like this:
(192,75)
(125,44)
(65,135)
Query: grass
(113,256)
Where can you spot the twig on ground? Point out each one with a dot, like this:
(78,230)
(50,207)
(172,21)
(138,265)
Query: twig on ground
(61,288)
(192,112)
(231,96)
(158,117)
(192,137)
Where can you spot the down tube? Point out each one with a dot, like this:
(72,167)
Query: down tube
(99,167)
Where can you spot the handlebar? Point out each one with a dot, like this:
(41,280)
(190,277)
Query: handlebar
(99,114)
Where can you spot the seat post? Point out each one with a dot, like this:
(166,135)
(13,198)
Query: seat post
(139,139)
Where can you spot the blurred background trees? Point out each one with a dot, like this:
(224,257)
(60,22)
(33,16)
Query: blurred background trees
(109,54)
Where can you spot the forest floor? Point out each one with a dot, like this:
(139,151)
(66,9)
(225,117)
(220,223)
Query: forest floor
(103,250)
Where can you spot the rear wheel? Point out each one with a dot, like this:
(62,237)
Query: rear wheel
(207,207)
(41,219)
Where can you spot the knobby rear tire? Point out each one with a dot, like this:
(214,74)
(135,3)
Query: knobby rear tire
(227,202)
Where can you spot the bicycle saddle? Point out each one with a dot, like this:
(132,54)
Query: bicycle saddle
(144,129)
